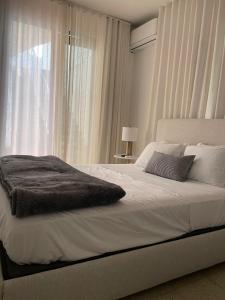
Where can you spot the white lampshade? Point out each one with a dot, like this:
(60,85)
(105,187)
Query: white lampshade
(129,134)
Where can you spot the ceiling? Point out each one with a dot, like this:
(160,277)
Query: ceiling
(134,11)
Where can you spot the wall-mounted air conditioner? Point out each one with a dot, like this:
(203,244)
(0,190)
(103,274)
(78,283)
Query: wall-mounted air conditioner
(143,35)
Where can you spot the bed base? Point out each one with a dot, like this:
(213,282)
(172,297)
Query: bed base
(123,274)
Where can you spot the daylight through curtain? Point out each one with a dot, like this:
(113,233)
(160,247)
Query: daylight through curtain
(33,54)
(64,79)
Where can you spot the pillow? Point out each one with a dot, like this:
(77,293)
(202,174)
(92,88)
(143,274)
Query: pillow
(207,145)
(209,164)
(169,166)
(173,149)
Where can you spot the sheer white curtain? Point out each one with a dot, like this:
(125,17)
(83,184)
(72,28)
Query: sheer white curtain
(116,95)
(189,72)
(97,88)
(33,55)
(65,81)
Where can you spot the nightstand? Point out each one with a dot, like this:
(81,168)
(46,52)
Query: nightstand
(127,159)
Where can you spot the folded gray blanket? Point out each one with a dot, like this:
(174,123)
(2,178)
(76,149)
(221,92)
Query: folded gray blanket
(37,185)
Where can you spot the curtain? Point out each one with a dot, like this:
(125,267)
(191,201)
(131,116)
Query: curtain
(32,58)
(64,78)
(2,23)
(117,80)
(2,32)
(96,99)
(189,69)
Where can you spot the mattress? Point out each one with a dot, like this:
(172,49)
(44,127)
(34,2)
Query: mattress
(154,210)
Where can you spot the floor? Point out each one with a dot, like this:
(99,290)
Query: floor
(204,285)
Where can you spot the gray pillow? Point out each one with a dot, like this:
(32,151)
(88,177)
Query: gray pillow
(169,166)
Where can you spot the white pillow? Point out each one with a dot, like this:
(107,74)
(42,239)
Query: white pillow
(206,145)
(173,149)
(209,164)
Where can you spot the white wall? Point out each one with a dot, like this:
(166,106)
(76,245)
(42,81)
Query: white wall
(143,61)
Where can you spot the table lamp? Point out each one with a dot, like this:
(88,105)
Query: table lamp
(129,135)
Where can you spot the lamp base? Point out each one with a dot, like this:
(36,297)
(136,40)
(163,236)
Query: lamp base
(129,148)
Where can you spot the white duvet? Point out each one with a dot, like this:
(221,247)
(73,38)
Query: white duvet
(153,210)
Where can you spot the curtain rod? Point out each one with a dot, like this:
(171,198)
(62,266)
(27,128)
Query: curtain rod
(72,3)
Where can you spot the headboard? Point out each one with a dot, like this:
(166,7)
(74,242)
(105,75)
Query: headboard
(192,131)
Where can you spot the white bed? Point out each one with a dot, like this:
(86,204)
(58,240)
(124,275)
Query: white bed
(153,210)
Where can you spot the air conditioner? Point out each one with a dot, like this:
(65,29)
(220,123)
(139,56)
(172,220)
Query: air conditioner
(143,35)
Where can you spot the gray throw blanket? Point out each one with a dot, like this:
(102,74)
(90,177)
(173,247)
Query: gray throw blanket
(37,185)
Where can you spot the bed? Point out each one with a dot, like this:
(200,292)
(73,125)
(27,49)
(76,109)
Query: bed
(124,257)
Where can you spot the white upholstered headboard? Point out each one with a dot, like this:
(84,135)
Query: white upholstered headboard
(192,131)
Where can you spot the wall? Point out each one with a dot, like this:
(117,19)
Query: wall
(143,62)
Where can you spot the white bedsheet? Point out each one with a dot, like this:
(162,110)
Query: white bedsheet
(153,210)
